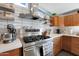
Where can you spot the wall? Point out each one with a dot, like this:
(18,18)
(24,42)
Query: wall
(71,30)
(20,22)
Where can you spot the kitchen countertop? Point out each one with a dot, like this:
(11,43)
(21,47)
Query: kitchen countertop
(56,35)
(52,37)
(73,35)
(17,43)
(59,35)
(10,46)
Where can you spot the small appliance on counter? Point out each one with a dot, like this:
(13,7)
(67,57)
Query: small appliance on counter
(58,31)
(10,36)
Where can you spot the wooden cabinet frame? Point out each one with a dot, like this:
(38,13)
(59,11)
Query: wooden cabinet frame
(67,43)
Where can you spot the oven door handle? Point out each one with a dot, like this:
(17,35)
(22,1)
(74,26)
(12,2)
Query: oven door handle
(27,49)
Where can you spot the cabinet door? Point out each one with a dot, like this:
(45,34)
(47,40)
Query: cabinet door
(68,20)
(53,21)
(75,45)
(61,21)
(57,45)
(71,20)
(76,20)
(15,52)
(57,21)
(66,43)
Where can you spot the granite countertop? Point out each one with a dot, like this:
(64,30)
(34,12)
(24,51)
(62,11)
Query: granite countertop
(10,46)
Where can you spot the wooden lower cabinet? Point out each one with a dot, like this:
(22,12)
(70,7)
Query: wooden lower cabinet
(75,46)
(70,44)
(66,43)
(15,52)
(57,45)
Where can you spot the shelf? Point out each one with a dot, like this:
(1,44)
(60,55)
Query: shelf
(6,9)
(32,30)
(6,18)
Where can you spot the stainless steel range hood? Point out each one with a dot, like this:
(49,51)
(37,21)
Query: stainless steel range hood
(33,9)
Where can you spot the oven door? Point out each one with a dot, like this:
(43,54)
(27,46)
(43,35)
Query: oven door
(29,51)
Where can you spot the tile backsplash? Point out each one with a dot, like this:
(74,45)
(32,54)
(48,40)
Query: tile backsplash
(19,23)
(71,29)
(66,30)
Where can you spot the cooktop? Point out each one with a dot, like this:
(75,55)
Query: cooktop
(29,39)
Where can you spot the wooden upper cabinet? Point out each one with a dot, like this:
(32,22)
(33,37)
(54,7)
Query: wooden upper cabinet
(71,20)
(53,20)
(68,20)
(57,21)
(76,20)
(61,21)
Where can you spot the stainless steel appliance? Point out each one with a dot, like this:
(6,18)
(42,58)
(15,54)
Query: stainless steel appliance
(37,46)
(10,36)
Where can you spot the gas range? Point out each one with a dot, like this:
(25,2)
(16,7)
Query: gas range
(38,45)
(30,39)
